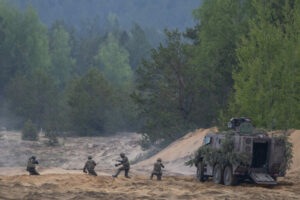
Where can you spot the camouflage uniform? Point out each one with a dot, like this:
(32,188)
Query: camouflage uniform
(157,170)
(125,166)
(90,166)
(31,164)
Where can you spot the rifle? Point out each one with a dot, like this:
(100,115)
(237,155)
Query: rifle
(118,164)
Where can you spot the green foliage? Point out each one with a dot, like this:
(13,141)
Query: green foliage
(32,97)
(60,50)
(52,138)
(30,131)
(288,153)
(267,77)
(241,59)
(23,43)
(221,25)
(137,45)
(114,63)
(163,96)
(89,98)
(225,155)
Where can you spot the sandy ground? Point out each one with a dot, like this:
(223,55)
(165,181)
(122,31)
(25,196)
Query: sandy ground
(79,186)
(176,154)
(295,139)
(64,181)
(71,153)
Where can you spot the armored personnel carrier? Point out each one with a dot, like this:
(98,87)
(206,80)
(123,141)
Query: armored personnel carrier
(242,153)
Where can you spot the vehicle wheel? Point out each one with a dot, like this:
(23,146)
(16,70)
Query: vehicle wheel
(275,178)
(218,174)
(200,172)
(229,178)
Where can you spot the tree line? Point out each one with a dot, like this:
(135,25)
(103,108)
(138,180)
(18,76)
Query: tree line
(240,59)
(63,80)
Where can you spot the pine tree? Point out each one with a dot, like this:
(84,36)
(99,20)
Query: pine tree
(113,62)
(221,25)
(265,79)
(90,101)
(60,52)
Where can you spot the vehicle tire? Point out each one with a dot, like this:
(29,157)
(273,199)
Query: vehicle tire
(229,178)
(218,174)
(275,178)
(200,172)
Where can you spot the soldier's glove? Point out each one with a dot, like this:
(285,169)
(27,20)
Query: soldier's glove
(116,165)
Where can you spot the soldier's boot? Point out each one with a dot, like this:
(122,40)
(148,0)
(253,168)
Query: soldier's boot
(92,172)
(117,174)
(159,177)
(126,173)
(32,171)
(151,177)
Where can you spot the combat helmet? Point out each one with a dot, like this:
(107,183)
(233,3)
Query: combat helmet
(122,155)
(89,157)
(158,159)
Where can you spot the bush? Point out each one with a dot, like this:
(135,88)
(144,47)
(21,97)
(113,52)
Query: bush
(30,131)
(224,155)
(52,139)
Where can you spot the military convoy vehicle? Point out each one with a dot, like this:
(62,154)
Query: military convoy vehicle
(242,153)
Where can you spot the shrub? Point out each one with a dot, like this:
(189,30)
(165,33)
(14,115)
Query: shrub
(30,131)
(52,138)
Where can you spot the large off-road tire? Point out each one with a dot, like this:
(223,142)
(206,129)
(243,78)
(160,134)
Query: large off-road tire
(275,178)
(218,174)
(200,172)
(229,177)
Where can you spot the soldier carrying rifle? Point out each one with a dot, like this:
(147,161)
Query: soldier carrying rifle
(125,166)
(31,165)
(89,166)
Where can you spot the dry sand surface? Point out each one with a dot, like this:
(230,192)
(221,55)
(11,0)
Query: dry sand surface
(295,139)
(176,154)
(77,187)
(70,154)
(180,151)
(178,182)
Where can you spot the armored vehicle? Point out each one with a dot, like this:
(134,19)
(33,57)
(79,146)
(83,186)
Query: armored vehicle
(242,153)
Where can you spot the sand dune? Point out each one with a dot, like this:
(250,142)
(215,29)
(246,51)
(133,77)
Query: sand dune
(176,154)
(180,151)
(295,139)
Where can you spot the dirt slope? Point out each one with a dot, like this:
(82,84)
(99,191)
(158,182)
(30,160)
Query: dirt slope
(177,153)
(295,139)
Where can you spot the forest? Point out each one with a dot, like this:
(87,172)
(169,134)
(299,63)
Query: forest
(238,58)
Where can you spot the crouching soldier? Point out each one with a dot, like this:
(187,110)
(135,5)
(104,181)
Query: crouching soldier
(125,166)
(90,166)
(157,170)
(31,164)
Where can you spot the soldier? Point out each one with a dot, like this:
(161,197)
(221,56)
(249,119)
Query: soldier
(90,166)
(157,170)
(31,164)
(125,166)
